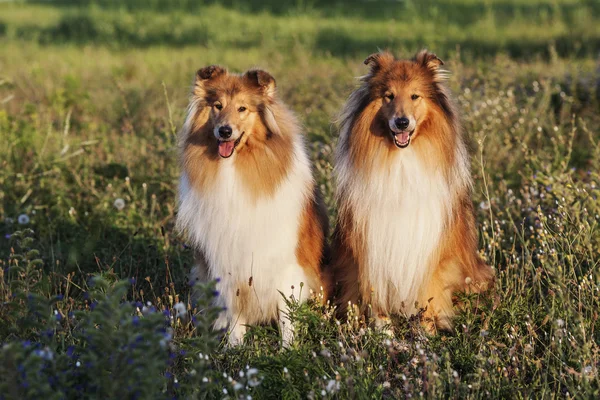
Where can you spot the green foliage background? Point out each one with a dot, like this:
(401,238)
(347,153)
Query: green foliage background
(93,275)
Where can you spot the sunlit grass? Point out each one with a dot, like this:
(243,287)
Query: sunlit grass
(95,298)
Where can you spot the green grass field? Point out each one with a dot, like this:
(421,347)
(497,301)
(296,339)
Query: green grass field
(92,94)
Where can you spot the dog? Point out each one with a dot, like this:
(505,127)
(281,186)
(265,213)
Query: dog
(405,238)
(248,200)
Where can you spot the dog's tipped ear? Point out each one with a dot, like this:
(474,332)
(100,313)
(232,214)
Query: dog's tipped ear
(204,75)
(378,61)
(210,72)
(429,60)
(433,63)
(262,80)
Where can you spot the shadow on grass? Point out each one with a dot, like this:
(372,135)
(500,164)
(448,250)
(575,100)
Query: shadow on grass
(457,12)
(346,44)
(100,247)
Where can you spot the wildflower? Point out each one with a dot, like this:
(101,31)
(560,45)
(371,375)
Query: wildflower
(333,386)
(484,205)
(560,323)
(119,204)
(180,309)
(23,219)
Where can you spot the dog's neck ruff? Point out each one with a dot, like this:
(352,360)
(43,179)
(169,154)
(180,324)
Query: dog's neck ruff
(400,212)
(244,238)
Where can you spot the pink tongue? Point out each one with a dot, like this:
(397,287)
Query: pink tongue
(403,137)
(226,149)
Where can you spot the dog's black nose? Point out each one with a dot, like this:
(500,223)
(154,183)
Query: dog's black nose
(402,123)
(225,132)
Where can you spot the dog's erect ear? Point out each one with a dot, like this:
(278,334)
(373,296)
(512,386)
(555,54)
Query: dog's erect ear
(262,80)
(378,61)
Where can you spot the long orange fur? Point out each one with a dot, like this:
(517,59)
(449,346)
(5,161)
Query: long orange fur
(366,150)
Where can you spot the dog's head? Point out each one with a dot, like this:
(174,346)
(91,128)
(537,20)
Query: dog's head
(239,105)
(408,91)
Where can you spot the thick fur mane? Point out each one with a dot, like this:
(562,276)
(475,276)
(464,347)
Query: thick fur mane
(399,208)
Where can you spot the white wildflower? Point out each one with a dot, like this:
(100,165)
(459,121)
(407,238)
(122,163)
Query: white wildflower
(119,204)
(180,309)
(333,386)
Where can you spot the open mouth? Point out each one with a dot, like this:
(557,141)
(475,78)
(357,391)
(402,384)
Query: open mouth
(227,147)
(402,139)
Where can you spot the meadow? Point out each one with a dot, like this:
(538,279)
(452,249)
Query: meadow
(94,300)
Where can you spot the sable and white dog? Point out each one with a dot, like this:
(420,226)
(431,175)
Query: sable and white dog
(248,201)
(406,236)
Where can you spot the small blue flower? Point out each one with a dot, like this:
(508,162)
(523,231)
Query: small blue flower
(136,320)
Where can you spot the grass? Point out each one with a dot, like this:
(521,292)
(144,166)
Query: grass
(93,276)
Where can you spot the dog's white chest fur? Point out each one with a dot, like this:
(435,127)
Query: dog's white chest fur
(401,212)
(249,244)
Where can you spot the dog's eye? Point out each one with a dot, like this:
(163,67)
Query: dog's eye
(218,106)
(389,96)
(242,109)
(415,96)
